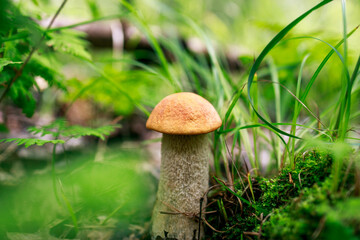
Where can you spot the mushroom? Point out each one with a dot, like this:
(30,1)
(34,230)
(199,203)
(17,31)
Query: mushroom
(184,119)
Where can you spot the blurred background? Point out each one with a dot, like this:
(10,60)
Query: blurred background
(109,62)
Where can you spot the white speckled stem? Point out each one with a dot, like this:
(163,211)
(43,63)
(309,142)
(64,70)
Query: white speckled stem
(184,178)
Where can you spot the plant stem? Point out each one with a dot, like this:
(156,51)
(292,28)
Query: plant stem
(110,17)
(54,174)
(297,109)
(255,120)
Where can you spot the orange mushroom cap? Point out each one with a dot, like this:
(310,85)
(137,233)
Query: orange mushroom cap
(184,114)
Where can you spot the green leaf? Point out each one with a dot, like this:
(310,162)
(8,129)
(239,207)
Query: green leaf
(43,66)
(5,61)
(79,131)
(60,128)
(70,42)
(238,195)
(22,96)
(266,50)
(12,19)
(322,64)
(30,141)
(35,2)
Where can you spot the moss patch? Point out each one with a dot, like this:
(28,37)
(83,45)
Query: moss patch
(296,204)
(316,214)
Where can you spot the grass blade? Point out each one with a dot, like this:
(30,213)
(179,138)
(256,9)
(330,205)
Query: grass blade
(266,50)
(237,195)
(115,85)
(277,94)
(322,64)
(296,111)
(154,43)
(70,208)
(115,16)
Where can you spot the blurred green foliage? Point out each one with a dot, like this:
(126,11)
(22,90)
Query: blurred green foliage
(109,195)
(19,35)
(138,85)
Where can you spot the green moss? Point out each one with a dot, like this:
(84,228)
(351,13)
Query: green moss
(270,194)
(316,214)
(297,204)
(312,167)
(298,220)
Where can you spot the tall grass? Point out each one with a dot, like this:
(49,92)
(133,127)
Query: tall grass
(211,80)
(248,129)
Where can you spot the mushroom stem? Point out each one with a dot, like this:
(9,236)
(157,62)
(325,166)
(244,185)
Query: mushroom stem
(184,178)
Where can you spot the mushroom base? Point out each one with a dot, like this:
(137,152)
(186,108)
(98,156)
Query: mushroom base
(184,179)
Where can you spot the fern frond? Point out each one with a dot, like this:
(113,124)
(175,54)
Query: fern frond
(48,68)
(70,42)
(22,96)
(53,128)
(60,128)
(30,141)
(5,61)
(79,131)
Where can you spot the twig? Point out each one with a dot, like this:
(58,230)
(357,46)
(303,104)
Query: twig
(200,218)
(320,227)
(261,224)
(227,169)
(300,179)
(20,71)
(212,228)
(251,233)
(177,211)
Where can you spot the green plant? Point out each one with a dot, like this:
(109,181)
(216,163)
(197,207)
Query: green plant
(272,195)
(20,37)
(275,99)
(315,213)
(219,87)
